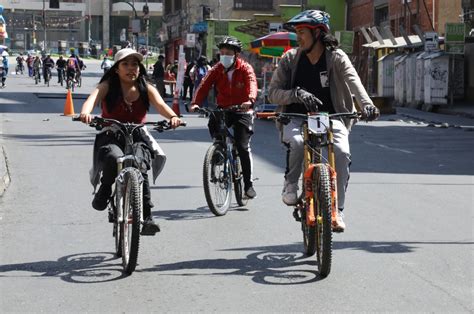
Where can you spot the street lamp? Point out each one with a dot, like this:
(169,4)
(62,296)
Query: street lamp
(136,17)
(146,17)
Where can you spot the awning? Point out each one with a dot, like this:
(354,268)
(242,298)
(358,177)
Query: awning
(400,43)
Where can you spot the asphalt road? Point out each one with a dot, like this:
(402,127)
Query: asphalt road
(407,248)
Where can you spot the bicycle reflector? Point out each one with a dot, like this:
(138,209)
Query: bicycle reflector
(318,123)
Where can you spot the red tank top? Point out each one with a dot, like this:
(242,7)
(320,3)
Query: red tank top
(125,113)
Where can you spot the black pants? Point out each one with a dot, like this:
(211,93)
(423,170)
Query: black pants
(110,148)
(187,84)
(242,125)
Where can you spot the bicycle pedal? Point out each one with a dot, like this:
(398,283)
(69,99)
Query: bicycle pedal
(111,217)
(296,214)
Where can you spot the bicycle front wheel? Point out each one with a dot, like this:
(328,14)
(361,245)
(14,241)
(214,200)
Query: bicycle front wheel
(238,184)
(217,179)
(323,205)
(130,227)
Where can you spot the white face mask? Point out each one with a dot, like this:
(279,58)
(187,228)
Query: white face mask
(226,61)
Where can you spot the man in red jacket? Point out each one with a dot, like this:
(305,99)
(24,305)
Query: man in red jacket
(235,82)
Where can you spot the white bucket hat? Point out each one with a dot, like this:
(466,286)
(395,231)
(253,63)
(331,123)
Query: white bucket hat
(126,52)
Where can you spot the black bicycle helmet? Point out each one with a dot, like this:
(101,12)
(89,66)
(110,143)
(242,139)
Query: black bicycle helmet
(310,19)
(230,42)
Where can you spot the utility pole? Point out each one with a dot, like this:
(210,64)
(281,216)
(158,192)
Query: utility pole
(146,18)
(44,25)
(89,37)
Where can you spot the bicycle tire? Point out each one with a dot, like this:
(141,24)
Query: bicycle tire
(130,227)
(217,189)
(323,201)
(238,184)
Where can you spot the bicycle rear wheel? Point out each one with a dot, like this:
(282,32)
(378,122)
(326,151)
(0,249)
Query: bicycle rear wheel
(238,183)
(130,227)
(323,203)
(217,179)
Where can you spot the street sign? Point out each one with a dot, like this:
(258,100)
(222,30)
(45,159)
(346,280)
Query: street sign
(431,41)
(455,37)
(346,40)
(190,40)
(136,26)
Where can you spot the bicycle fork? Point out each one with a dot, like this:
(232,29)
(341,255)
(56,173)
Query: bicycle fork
(309,177)
(120,186)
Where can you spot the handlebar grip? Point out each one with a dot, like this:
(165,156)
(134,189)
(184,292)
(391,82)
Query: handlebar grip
(183,123)
(266,114)
(76,118)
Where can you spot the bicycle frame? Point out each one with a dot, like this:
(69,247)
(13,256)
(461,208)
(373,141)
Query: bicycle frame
(225,137)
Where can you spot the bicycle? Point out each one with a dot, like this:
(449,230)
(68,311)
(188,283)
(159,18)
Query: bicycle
(222,168)
(19,68)
(61,74)
(47,76)
(37,75)
(316,207)
(70,81)
(126,201)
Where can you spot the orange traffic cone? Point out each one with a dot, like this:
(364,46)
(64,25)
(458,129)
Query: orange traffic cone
(68,105)
(176,104)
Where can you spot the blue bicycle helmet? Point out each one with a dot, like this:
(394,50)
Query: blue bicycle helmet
(310,19)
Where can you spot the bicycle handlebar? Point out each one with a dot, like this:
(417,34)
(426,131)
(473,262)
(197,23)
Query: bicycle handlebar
(208,110)
(277,115)
(159,126)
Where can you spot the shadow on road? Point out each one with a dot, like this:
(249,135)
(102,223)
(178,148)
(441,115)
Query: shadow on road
(269,265)
(282,264)
(78,268)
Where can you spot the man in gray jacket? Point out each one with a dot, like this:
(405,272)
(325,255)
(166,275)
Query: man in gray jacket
(317,69)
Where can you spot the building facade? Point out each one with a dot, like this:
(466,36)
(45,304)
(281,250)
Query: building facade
(32,24)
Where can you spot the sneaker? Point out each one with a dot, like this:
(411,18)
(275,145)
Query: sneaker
(101,198)
(338,224)
(289,195)
(150,227)
(250,192)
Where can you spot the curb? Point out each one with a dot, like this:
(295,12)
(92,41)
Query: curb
(5,180)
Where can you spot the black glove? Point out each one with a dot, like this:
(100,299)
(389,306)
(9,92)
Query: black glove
(306,98)
(371,112)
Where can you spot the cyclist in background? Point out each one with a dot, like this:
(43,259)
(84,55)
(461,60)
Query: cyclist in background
(294,88)
(71,68)
(37,65)
(61,68)
(236,84)
(19,64)
(106,64)
(48,64)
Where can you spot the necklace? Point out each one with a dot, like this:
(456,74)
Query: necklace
(128,104)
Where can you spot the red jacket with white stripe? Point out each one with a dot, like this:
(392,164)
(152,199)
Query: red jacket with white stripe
(243,87)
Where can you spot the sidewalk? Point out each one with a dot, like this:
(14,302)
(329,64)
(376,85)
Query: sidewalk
(460,114)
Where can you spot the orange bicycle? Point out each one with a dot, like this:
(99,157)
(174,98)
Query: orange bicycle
(317,205)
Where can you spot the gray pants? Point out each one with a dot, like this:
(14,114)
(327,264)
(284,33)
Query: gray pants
(291,136)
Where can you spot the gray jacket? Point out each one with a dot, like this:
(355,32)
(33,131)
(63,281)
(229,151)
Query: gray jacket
(343,82)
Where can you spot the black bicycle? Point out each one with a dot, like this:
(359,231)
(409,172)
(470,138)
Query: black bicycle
(47,75)
(126,201)
(222,168)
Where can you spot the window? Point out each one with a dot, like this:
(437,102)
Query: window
(381,15)
(221,28)
(253,4)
